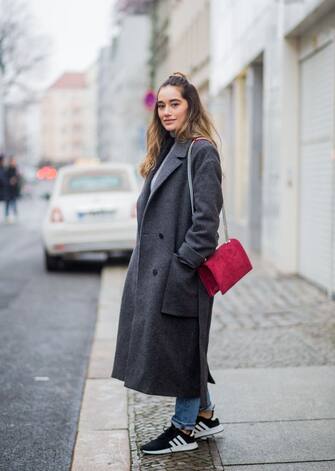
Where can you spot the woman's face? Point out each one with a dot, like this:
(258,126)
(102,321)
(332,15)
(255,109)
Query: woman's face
(172,108)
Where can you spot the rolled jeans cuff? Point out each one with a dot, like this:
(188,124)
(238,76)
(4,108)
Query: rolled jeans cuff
(180,425)
(209,407)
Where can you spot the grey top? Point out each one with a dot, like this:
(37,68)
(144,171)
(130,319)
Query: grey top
(152,183)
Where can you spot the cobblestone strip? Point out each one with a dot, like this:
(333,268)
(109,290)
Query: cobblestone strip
(263,301)
(148,415)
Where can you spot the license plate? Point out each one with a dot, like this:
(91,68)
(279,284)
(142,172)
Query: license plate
(96,215)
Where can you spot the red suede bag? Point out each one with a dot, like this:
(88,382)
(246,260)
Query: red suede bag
(229,263)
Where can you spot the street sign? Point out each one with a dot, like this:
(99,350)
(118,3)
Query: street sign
(150,100)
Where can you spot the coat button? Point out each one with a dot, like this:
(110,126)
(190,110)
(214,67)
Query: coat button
(161,236)
(154,271)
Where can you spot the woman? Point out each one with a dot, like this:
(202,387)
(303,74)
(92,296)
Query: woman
(12,189)
(165,310)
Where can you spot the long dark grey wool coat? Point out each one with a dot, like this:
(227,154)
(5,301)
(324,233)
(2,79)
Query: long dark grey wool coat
(165,313)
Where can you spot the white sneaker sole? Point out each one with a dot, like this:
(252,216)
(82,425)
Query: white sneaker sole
(207,433)
(188,447)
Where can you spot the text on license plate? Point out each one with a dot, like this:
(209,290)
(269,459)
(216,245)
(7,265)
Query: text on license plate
(95,215)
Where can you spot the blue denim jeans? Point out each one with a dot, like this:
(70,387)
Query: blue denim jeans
(10,204)
(187,409)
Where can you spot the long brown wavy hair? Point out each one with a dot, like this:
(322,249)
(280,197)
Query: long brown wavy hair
(197,123)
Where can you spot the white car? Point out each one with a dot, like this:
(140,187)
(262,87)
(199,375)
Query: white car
(92,209)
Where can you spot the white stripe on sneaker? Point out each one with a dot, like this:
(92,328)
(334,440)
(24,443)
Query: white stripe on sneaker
(182,441)
(173,448)
(210,431)
(176,441)
(204,426)
(200,427)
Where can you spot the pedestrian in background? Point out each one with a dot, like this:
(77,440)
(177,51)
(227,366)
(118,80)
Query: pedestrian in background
(165,312)
(2,177)
(12,189)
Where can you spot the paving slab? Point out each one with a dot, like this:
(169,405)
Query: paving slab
(105,330)
(277,442)
(101,360)
(102,451)
(109,312)
(274,394)
(306,466)
(104,406)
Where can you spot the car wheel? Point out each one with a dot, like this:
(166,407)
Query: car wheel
(51,261)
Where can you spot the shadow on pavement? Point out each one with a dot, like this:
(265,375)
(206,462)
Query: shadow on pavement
(91,265)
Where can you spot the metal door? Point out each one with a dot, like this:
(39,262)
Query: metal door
(317,217)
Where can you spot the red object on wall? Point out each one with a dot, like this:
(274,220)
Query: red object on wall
(150,100)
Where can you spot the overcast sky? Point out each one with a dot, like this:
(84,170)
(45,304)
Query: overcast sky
(77,29)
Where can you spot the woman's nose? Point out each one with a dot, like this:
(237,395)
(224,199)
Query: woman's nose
(167,111)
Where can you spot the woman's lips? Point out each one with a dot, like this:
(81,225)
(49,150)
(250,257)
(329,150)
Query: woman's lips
(168,121)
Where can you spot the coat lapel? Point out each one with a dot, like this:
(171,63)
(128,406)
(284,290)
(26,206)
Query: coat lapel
(179,152)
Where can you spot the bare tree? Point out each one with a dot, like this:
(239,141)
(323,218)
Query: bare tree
(22,52)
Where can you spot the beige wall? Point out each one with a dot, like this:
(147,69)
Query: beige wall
(91,112)
(188,42)
(162,41)
(67,125)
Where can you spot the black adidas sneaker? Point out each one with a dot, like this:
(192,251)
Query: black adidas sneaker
(171,440)
(207,427)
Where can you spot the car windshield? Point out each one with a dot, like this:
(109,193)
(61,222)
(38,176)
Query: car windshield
(95,182)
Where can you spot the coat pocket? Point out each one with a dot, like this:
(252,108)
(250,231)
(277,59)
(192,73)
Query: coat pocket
(180,296)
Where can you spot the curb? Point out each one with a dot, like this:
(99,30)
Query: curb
(102,438)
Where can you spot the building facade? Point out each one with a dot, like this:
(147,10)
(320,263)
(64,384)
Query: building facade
(68,111)
(189,42)
(104,104)
(272,92)
(128,84)
(160,67)
(181,41)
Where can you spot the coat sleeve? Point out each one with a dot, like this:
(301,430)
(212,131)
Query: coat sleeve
(201,239)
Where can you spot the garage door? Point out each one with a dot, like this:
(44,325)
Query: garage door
(316,250)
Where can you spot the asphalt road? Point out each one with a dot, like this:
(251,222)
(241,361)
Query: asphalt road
(46,328)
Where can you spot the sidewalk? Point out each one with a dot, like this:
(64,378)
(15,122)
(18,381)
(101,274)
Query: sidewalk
(272,354)
(102,440)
